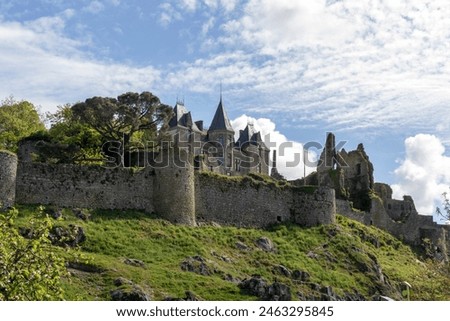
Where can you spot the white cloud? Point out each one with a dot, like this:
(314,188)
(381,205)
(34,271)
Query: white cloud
(348,65)
(289,153)
(353,65)
(280,25)
(94,7)
(40,64)
(189,5)
(206,27)
(424,173)
(168,14)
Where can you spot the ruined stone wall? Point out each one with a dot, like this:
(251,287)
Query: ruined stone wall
(412,229)
(84,186)
(8,168)
(343,207)
(245,203)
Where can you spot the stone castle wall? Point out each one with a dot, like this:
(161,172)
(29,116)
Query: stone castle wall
(175,192)
(174,188)
(8,169)
(84,186)
(240,202)
(246,203)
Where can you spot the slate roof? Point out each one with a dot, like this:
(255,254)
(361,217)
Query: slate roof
(182,118)
(250,136)
(221,120)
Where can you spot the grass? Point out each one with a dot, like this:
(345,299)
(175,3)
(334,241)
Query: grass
(337,255)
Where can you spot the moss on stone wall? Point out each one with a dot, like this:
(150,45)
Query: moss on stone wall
(252,179)
(307,189)
(4,151)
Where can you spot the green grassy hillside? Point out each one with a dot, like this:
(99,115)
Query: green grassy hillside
(349,257)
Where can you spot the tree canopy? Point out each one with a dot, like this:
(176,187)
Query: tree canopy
(118,119)
(18,119)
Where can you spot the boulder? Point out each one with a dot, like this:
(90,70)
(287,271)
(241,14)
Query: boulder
(277,292)
(265,244)
(133,293)
(72,235)
(300,275)
(282,270)
(122,281)
(256,286)
(196,264)
(242,246)
(134,262)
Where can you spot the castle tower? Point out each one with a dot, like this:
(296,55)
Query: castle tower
(221,132)
(8,172)
(174,186)
(274,171)
(182,128)
(329,172)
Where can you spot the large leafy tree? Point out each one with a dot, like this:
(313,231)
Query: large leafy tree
(119,119)
(18,119)
(68,140)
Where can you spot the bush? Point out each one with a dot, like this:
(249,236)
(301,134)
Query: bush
(30,269)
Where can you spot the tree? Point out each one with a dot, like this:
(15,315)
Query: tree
(68,140)
(446,204)
(117,120)
(29,268)
(17,120)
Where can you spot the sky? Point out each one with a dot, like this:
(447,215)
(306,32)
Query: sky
(373,71)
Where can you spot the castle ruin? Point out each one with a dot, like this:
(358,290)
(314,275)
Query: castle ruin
(183,185)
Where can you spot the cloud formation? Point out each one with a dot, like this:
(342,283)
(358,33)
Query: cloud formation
(424,173)
(378,66)
(350,64)
(40,64)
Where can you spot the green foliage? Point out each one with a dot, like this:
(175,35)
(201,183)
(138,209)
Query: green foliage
(119,119)
(68,140)
(30,269)
(339,255)
(18,119)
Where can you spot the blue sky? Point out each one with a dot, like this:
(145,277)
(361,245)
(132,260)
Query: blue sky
(374,71)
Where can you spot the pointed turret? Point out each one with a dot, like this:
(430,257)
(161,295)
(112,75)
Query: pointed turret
(182,118)
(222,133)
(221,120)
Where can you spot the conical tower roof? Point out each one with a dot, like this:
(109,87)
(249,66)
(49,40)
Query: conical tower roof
(221,120)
